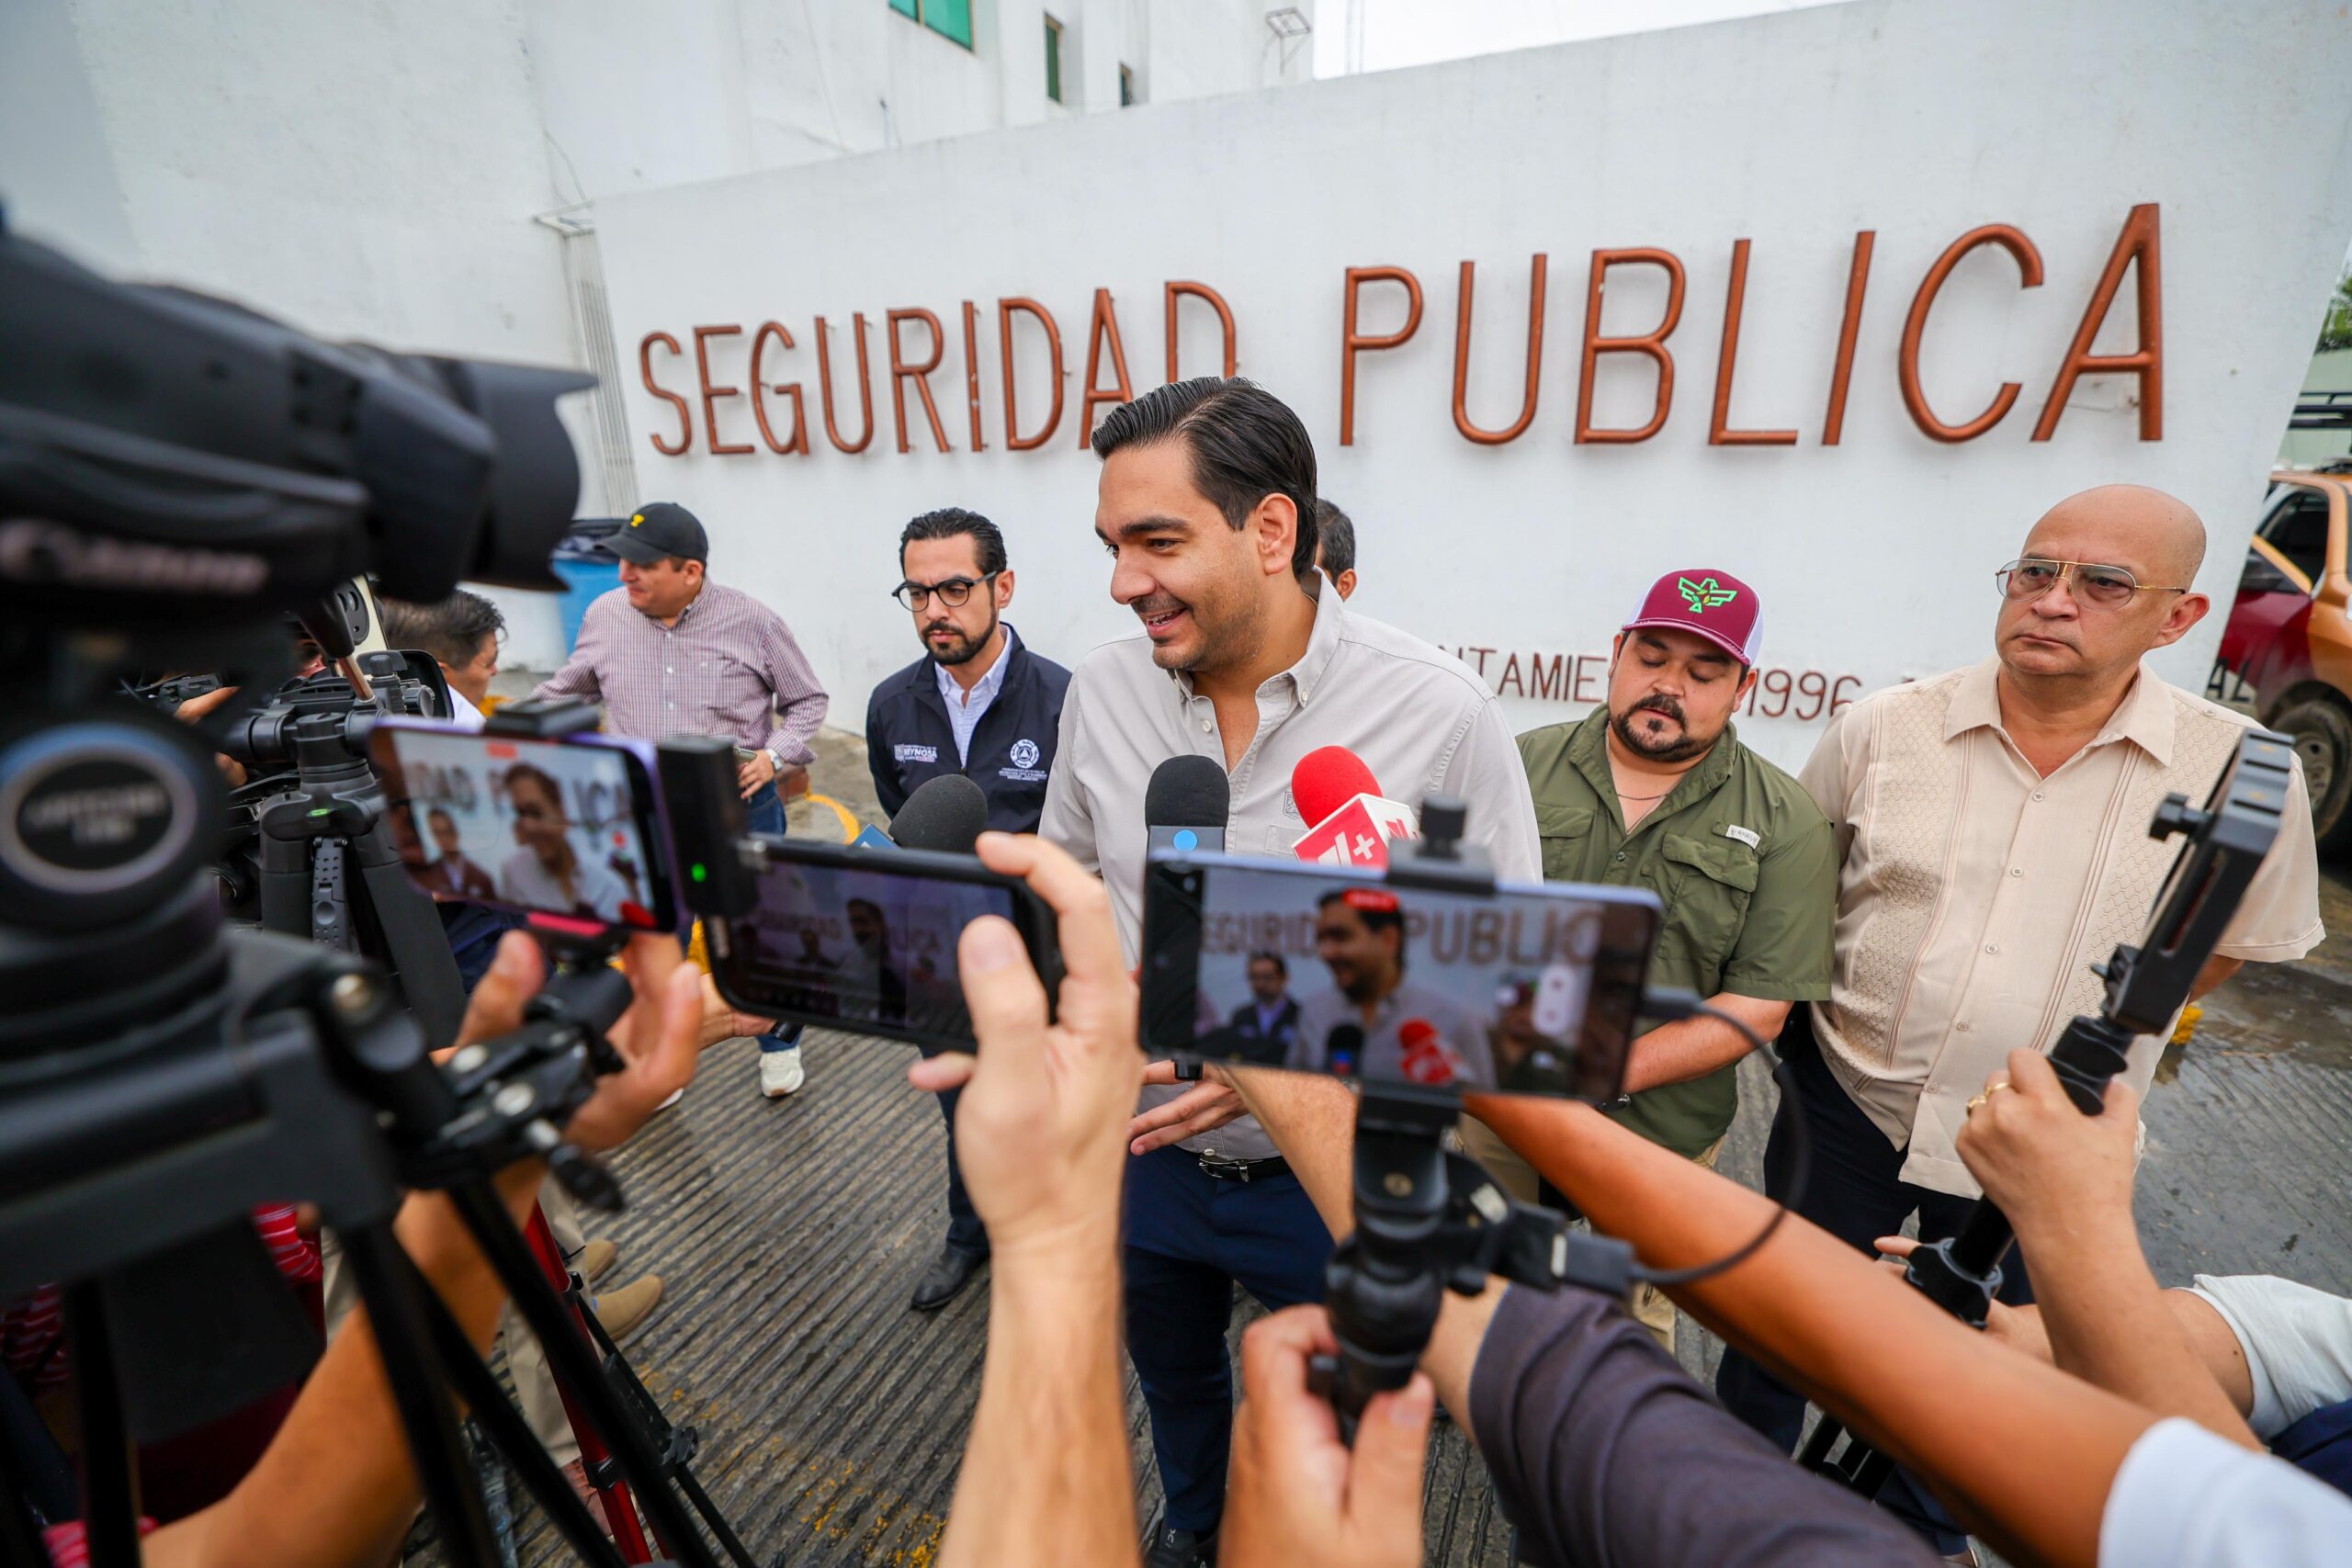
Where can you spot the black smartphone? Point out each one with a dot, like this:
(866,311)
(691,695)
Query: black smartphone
(570,829)
(865,939)
(1525,991)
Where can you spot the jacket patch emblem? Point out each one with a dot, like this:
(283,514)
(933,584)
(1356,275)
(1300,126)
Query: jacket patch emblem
(915,753)
(1024,753)
(1747,836)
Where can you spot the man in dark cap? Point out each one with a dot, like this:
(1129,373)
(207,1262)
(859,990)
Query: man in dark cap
(670,652)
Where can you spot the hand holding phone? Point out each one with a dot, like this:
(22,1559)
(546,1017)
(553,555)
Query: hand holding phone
(1038,1128)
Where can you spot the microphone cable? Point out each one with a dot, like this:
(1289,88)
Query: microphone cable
(1671,1006)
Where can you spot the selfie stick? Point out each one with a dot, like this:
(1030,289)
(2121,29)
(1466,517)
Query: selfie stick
(1428,1220)
(2146,985)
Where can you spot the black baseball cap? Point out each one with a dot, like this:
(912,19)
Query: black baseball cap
(659,531)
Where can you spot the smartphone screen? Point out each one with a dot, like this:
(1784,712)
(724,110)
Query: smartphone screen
(566,827)
(865,939)
(1528,990)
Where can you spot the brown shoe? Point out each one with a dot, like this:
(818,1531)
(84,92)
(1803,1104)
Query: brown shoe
(622,1312)
(595,1257)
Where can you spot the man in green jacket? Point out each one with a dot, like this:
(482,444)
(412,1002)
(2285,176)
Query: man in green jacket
(1655,790)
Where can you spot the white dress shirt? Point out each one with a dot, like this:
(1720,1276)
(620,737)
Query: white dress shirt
(965,708)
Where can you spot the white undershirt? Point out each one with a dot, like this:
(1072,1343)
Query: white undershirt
(2185,1498)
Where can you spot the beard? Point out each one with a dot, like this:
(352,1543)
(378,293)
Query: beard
(1228,626)
(963,648)
(1685,746)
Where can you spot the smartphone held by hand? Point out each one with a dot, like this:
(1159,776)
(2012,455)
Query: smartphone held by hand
(569,829)
(1341,971)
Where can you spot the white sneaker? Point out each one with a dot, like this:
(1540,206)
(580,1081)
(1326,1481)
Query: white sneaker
(781,1073)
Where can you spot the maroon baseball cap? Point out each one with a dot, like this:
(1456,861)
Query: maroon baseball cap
(1714,605)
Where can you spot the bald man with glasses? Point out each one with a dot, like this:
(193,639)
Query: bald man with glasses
(1993,830)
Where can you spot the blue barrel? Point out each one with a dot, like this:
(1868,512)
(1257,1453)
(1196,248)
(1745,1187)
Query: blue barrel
(585,580)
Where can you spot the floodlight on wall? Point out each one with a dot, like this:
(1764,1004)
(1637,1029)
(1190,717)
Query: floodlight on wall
(1288,24)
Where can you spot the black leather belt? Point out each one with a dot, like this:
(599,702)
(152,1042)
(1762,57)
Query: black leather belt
(1243,1170)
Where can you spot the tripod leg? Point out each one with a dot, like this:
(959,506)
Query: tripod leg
(678,1469)
(576,1365)
(1815,1455)
(512,1440)
(728,1541)
(1870,1473)
(399,1323)
(415,946)
(109,1472)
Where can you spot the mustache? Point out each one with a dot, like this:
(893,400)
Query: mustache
(1667,705)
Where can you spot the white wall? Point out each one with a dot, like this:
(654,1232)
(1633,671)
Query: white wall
(375,171)
(1919,119)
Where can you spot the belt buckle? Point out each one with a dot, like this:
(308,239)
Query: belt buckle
(1220,1168)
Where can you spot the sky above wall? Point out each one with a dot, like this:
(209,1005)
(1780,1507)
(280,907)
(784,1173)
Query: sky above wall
(1383,35)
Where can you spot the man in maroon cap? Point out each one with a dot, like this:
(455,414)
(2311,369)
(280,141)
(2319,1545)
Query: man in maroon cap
(1655,791)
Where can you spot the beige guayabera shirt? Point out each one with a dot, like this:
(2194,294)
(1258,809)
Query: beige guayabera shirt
(1975,894)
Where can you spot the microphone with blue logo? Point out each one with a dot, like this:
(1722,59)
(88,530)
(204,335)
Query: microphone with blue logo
(1184,806)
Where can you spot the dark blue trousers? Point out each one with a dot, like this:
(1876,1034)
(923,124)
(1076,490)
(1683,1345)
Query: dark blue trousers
(1856,1192)
(965,1231)
(1189,1238)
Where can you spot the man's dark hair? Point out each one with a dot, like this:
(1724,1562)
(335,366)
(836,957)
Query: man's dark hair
(987,539)
(449,630)
(1245,443)
(539,779)
(1268,955)
(1337,537)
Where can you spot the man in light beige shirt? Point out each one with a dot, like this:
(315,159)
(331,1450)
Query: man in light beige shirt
(1993,824)
(1245,655)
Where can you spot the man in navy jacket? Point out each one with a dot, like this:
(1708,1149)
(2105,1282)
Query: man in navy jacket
(977,703)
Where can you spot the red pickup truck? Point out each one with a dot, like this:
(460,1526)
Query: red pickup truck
(2289,640)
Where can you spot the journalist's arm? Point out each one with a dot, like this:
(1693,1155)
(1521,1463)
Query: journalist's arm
(1597,1440)
(1040,1135)
(337,1486)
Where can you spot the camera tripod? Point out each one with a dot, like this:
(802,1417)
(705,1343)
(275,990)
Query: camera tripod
(2146,985)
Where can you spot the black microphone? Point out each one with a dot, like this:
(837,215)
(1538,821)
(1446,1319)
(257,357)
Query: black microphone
(947,814)
(1184,806)
(1343,1050)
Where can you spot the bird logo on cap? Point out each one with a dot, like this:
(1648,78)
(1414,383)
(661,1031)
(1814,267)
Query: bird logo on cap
(639,518)
(1704,595)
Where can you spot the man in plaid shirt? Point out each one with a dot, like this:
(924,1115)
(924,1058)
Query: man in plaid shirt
(670,652)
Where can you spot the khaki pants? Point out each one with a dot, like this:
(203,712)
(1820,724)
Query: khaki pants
(1650,1307)
(535,1392)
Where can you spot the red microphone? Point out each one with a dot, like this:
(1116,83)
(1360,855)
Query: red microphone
(1428,1057)
(1353,822)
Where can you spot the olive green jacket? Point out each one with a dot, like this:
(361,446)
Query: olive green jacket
(1742,859)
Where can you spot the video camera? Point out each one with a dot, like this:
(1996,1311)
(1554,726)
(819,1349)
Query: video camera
(178,476)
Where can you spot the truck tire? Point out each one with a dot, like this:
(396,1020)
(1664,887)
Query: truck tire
(2322,730)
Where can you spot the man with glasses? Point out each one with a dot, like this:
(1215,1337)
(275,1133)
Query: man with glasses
(1993,827)
(980,704)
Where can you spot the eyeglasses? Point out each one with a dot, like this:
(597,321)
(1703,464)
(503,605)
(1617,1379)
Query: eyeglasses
(952,592)
(2101,587)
